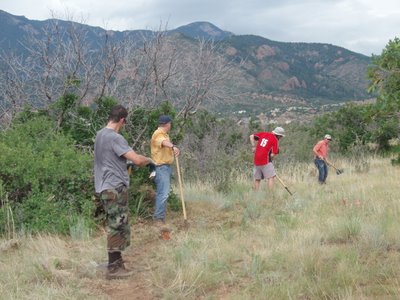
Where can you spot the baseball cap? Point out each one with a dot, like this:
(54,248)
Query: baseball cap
(328,137)
(279,131)
(164,119)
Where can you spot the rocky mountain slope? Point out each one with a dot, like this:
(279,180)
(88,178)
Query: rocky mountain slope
(275,76)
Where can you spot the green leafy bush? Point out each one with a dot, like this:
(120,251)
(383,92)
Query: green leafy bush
(78,121)
(47,180)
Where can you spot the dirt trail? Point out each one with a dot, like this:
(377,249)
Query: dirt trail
(145,240)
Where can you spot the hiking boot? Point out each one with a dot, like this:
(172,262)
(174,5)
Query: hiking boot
(117,270)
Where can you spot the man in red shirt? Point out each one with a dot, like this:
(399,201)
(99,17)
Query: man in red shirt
(321,150)
(265,146)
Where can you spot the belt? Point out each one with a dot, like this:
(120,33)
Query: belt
(162,165)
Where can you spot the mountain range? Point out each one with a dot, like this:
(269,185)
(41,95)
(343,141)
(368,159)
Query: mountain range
(278,77)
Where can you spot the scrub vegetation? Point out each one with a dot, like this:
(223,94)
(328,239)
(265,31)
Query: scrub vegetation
(335,241)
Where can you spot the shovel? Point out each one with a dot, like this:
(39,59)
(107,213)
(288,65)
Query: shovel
(283,184)
(338,171)
(178,169)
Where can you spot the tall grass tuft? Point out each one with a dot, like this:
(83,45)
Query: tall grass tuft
(79,229)
(8,218)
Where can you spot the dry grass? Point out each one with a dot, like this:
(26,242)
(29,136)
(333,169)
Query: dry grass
(336,241)
(48,267)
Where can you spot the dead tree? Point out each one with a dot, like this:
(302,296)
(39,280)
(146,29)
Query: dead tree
(137,71)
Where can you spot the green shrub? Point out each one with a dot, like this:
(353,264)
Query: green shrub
(141,193)
(174,201)
(47,179)
(81,122)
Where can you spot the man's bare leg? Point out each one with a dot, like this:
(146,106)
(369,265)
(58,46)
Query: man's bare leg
(256,185)
(270,183)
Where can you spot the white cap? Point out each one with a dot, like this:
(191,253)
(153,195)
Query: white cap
(328,137)
(279,131)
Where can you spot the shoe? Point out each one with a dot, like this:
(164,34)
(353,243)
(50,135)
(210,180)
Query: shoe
(161,228)
(117,270)
(158,224)
(152,175)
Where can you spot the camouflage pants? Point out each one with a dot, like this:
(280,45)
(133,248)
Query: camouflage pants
(115,203)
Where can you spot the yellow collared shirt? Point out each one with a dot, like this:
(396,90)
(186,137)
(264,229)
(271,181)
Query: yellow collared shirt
(161,155)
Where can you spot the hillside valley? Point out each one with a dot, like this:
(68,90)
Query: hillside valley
(280,80)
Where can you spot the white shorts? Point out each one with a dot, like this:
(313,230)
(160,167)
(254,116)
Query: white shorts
(264,172)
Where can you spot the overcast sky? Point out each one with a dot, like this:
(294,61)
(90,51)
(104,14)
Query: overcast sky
(363,26)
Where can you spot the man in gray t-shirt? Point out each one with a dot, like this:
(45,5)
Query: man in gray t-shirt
(111,151)
(110,164)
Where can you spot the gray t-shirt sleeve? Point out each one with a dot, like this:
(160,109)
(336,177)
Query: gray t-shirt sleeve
(120,145)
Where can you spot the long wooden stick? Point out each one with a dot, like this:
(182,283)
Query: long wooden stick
(330,164)
(283,184)
(178,169)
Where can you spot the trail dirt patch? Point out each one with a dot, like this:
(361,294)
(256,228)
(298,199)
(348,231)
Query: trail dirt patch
(145,240)
(147,256)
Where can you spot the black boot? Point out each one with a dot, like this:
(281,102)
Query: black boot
(116,267)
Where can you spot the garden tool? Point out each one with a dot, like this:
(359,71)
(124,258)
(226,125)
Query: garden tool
(283,184)
(178,169)
(338,171)
(130,166)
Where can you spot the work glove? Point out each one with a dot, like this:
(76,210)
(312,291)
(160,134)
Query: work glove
(151,166)
(130,166)
(152,169)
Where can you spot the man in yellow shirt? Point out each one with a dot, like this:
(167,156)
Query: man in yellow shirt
(163,152)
